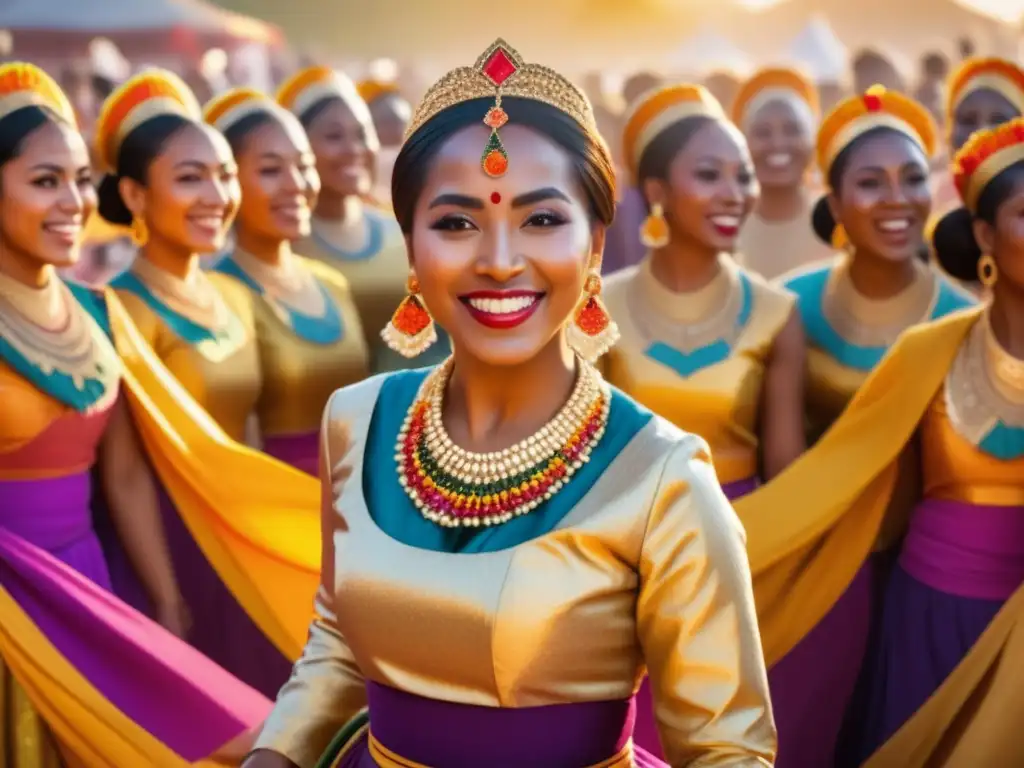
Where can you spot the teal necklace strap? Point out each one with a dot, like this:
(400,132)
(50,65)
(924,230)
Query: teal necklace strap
(325,329)
(687,363)
(215,345)
(375,232)
(77,365)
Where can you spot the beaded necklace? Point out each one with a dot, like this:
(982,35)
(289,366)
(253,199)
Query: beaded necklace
(457,488)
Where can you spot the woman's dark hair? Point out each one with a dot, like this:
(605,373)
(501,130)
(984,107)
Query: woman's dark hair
(137,152)
(16,127)
(238,133)
(317,108)
(822,221)
(659,154)
(953,241)
(590,157)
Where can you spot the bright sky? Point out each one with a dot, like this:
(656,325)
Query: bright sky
(1011,10)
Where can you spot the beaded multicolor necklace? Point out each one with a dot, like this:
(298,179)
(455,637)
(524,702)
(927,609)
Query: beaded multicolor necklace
(456,488)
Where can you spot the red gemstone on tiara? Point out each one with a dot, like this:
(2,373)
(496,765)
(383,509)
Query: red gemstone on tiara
(499,66)
(873,102)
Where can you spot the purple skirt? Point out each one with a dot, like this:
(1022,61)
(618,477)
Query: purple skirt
(417,730)
(959,563)
(52,564)
(54,516)
(646,731)
(300,451)
(221,629)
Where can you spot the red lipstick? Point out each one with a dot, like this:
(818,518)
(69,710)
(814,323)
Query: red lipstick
(501,310)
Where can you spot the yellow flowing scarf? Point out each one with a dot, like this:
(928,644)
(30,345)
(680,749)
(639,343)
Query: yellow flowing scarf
(256,519)
(811,529)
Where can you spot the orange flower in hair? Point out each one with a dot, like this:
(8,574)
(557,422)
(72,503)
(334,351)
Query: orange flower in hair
(875,108)
(774,83)
(976,74)
(23,85)
(985,155)
(147,95)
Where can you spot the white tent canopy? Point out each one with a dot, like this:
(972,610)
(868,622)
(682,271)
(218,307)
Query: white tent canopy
(819,51)
(706,52)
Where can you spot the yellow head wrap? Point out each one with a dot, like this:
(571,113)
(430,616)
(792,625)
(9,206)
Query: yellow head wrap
(985,155)
(981,74)
(149,94)
(876,108)
(658,110)
(229,108)
(24,85)
(777,84)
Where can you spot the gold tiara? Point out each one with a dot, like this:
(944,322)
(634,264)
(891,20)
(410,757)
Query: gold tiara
(500,71)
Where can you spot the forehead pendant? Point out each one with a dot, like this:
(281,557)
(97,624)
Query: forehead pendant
(497,65)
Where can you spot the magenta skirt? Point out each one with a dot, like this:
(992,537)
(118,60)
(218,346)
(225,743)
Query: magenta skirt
(421,731)
(52,565)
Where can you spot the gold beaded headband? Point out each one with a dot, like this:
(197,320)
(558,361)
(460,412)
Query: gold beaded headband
(500,71)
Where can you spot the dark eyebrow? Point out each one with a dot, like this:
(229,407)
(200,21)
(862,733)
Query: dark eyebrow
(461,201)
(47,167)
(190,164)
(539,195)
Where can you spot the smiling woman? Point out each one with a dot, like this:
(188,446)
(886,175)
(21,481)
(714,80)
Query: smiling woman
(777,110)
(509,506)
(307,325)
(173,179)
(99,674)
(347,232)
(874,150)
(709,346)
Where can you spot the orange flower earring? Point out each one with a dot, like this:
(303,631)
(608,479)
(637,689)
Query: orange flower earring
(592,331)
(654,230)
(411,329)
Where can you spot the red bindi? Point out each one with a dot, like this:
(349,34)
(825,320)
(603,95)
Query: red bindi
(495,197)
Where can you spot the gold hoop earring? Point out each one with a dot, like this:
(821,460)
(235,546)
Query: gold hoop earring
(654,230)
(411,329)
(988,272)
(140,232)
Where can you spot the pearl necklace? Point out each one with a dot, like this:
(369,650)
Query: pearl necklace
(455,488)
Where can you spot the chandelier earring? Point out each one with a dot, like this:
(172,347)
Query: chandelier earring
(411,329)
